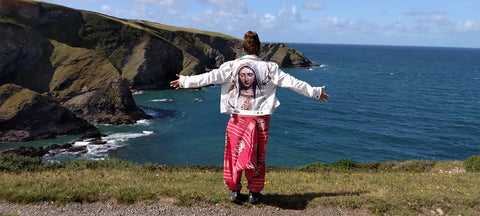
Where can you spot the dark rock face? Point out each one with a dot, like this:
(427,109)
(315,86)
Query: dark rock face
(153,64)
(39,151)
(21,50)
(27,115)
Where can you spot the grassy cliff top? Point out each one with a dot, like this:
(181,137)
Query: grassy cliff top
(389,188)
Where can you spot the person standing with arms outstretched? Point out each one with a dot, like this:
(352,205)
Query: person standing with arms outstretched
(248,94)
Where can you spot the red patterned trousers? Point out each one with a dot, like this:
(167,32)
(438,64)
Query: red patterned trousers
(245,147)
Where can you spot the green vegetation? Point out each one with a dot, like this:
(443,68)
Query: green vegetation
(472,163)
(5,19)
(15,101)
(393,188)
(80,68)
(345,165)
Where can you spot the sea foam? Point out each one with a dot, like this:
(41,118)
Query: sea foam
(144,122)
(96,151)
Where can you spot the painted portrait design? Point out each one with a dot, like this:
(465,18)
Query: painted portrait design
(246,90)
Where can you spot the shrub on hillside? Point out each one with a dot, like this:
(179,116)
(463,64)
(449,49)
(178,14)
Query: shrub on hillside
(345,165)
(15,163)
(472,163)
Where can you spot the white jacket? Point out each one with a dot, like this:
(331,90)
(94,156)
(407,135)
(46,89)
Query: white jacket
(258,98)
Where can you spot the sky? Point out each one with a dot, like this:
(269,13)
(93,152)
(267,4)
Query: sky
(444,23)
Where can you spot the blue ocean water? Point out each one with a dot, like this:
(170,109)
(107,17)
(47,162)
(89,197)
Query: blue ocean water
(386,103)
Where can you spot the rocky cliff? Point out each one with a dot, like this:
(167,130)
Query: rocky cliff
(89,62)
(44,49)
(27,115)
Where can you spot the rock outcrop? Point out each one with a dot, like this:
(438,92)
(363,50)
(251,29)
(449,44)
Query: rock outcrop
(27,115)
(285,56)
(93,138)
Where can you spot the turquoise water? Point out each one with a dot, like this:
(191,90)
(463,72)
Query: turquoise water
(387,103)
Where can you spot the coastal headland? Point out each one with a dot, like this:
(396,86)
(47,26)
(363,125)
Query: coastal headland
(90,63)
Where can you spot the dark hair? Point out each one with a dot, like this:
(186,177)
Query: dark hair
(251,43)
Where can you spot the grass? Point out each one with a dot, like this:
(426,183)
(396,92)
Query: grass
(16,99)
(393,188)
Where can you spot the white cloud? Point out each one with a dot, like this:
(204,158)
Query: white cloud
(313,5)
(469,25)
(331,24)
(438,22)
(162,11)
(267,21)
(226,9)
(294,10)
(334,24)
(173,11)
(105,8)
(139,10)
(234,6)
(158,2)
(422,16)
(287,18)
(209,12)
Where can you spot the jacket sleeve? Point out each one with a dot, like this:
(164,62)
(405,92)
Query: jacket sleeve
(217,76)
(285,80)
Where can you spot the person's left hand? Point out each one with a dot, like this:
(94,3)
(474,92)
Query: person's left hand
(324,96)
(175,83)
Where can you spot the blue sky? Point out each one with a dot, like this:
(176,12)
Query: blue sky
(447,23)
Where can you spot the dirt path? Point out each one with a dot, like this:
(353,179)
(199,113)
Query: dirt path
(158,209)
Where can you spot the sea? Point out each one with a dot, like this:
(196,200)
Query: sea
(386,103)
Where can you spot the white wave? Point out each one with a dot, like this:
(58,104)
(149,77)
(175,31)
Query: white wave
(137,93)
(145,122)
(122,136)
(80,143)
(101,150)
(323,65)
(167,100)
(97,151)
(113,141)
(197,100)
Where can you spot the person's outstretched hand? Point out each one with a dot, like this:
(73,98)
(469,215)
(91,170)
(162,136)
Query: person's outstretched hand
(324,96)
(176,83)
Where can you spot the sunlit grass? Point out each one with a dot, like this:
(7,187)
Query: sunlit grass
(387,189)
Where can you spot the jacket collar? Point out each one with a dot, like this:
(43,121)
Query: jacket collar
(254,57)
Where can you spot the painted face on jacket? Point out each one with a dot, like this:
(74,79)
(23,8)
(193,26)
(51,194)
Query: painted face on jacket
(247,77)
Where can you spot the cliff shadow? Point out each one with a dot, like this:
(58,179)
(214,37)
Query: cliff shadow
(298,201)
